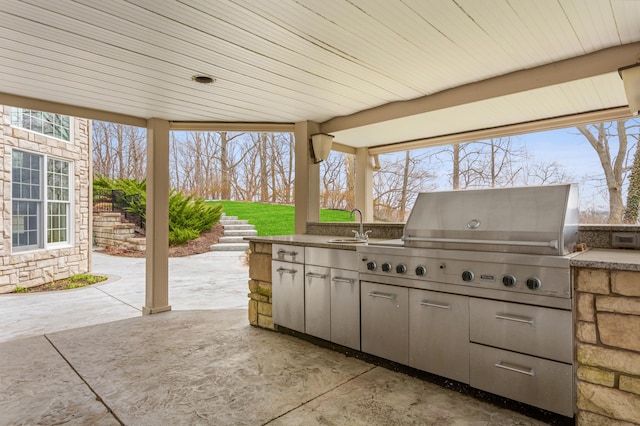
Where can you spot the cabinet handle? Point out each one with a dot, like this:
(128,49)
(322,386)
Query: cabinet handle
(287,253)
(434,305)
(522,370)
(343,280)
(314,275)
(288,271)
(382,295)
(506,317)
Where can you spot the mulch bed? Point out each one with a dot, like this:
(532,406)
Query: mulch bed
(199,245)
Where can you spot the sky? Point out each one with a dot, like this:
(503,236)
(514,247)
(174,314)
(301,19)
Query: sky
(571,149)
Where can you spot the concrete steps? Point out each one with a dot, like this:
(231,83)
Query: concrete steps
(234,232)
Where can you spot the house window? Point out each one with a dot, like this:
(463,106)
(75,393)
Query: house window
(49,124)
(40,208)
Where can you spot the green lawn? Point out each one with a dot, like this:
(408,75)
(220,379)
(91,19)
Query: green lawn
(274,219)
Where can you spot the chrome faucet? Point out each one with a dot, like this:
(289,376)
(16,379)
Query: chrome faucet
(361,235)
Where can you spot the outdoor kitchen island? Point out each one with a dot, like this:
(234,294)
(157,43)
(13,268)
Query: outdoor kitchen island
(606,314)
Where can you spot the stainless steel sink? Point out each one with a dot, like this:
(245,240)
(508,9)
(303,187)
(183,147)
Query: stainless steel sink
(347,241)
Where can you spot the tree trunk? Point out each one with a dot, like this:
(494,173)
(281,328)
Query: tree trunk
(455,175)
(405,183)
(225,190)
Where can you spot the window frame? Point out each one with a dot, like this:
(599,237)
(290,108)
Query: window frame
(45,202)
(15,111)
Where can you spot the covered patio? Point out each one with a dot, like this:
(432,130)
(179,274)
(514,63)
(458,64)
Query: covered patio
(379,77)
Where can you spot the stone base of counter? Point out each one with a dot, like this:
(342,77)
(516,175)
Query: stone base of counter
(260,285)
(608,347)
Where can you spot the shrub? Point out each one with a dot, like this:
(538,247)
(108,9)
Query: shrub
(181,236)
(187,213)
(188,216)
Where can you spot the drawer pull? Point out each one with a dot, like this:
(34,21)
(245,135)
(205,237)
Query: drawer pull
(522,370)
(434,305)
(343,280)
(288,271)
(382,295)
(314,275)
(287,253)
(515,318)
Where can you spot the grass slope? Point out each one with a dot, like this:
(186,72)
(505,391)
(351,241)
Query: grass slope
(274,219)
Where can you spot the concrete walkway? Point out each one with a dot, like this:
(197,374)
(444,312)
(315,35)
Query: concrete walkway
(214,280)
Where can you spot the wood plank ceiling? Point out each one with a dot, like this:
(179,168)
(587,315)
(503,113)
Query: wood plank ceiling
(285,61)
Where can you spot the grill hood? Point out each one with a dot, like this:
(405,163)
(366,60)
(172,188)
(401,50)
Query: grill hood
(533,220)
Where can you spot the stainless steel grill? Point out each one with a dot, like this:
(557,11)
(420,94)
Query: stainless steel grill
(495,257)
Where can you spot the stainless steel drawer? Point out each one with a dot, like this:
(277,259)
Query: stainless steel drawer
(533,330)
(287,253)
(534,381)
(332,258)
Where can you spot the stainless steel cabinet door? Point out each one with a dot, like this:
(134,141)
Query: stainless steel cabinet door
(317,301)
(385,321)
(345,308)
(439,333)
(287,288)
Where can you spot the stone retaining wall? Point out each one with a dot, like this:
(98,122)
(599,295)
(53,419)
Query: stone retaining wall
(608,347)
(110,231)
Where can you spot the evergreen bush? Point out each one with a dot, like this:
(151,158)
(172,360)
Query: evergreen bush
(188,216)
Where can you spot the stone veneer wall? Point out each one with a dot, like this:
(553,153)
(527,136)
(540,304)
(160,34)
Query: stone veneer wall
(41,266)
(260,285)
(608,347)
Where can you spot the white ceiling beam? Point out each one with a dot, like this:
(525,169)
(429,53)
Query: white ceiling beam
(71,110)
(509,130)
(203,126)
(590,65)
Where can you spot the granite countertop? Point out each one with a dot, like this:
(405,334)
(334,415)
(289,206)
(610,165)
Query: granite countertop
(623,260)
(310,240)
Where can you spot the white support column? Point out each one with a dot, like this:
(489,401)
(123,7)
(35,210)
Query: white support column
(307,183)
(157,221)
(364,184)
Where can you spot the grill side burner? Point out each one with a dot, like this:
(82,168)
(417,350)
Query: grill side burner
(492,267)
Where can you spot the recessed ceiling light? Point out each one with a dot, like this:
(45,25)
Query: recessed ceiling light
(203,79)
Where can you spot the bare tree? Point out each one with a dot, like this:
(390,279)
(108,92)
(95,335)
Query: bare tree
(599,136)
(398,182)
(118,150)
(333,181)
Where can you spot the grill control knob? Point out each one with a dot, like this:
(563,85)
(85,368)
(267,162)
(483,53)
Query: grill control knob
(533,283)
(421,271)
(386,267)
(401,269)
(371,266)
(467,276)
(509,280)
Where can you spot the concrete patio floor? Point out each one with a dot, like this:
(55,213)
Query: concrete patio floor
(211,368)
(88,357)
